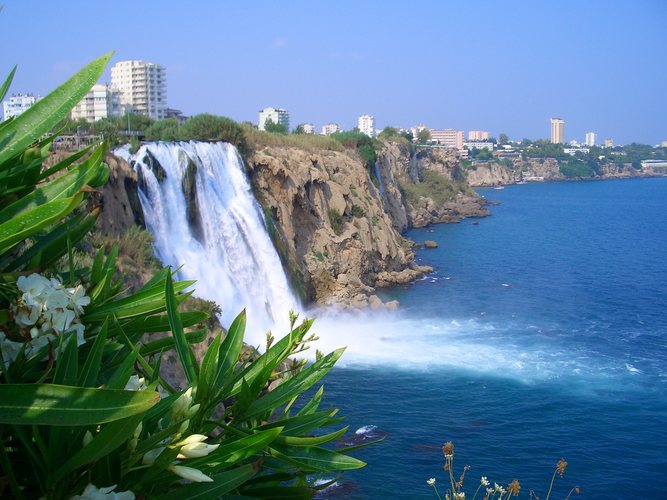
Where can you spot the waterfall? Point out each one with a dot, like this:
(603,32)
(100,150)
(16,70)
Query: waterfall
(378,176)
(199,206)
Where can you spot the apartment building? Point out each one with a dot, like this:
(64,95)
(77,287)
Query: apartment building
(276,115)
(17,104)
(366,125)
(100,102)
(448,137)
(141,87)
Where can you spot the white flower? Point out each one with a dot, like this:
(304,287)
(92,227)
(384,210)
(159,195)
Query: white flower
(460,496)
(189,473)
(489,491)
(10,349)
(60,318)
(194,447)
(135,383)
(78,298)
(33,286)
(92,492)
(431,482)
(27,315)
(484,481)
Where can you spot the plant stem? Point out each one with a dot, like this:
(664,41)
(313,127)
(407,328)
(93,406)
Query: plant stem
(553,478)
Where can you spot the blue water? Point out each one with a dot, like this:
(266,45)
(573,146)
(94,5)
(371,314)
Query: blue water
(541,334)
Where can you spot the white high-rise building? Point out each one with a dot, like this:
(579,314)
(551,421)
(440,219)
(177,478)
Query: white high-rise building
(557,131)
(366,125)
(330,128)
(100,102)
(308,128)
(17,104)
(276,115)
(591,138)
(141,86)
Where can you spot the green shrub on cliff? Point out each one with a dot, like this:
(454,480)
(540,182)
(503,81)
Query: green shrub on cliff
(432,185)
(85,411)
(207,127)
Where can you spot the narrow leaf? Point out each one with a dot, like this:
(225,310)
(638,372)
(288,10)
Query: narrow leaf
(52,404)
(47,112)
(185,354)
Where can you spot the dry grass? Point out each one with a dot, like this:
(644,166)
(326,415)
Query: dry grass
(258,139)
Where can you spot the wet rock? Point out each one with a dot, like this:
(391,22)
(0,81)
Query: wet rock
(430,244)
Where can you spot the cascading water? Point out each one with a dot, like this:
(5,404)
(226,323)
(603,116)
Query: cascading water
(199,206)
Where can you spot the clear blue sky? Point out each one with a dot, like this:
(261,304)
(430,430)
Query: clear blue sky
(499,66)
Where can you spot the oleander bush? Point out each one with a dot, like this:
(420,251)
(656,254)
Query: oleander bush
(84,409)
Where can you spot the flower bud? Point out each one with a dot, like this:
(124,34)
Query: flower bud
(87,438)
(191,474)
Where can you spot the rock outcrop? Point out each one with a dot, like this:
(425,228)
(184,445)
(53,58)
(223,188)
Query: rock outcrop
(329,223)
(119,198)
(426,186)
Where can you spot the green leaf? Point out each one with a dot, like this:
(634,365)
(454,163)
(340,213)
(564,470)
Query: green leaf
(295,385)
(168,342)
(90,172)
(278,352)
(19,228)
(236,451)
(47,112)
(222,483)
(302,424)
(312,440)
(122,374)
(45,174)
(209,366)
(107,440)
(145,301)
(185,354)
(317,459)
(50,247)
(313,404)
(53,404)
(67,365)
(230,349)
(91,367)
(7,83)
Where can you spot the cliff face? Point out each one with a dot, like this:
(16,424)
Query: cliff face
(119,198)
(329,224)
(539,169)
(425,187)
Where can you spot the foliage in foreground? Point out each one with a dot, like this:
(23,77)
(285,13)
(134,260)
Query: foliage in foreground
(455,487)
(84,408)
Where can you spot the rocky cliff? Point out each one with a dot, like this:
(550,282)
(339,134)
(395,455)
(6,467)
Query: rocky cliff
(425,186)
(329,224)
(495,173)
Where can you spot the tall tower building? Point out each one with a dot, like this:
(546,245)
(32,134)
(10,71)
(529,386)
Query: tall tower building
(366,125)
(557,131)
(591,138)
(141,87)
(276,115)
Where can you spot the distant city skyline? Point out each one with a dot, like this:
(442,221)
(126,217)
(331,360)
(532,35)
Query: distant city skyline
(331,63)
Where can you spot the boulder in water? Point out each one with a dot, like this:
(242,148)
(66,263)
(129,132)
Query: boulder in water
(430,244)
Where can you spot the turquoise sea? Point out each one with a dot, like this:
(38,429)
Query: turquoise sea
(542,334)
